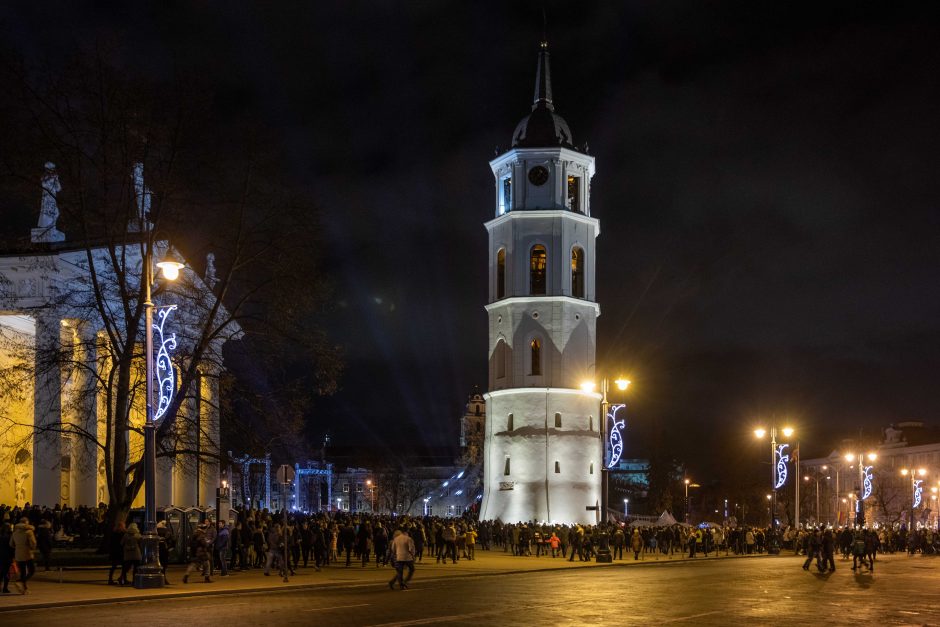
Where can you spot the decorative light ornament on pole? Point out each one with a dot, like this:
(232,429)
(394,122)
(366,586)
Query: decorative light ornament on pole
(778,469)
(917,489)
(612,434)
(864,486)
(615,434)
(150,572)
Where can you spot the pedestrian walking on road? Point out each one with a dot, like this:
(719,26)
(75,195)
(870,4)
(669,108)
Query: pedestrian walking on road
(116,552)
(403,552)
(198,554)
(23,542)
(130,547)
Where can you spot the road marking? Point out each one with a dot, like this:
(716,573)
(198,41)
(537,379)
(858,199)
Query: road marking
(681,618)
(335,607)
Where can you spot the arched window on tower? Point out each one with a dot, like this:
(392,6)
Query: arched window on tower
(538,263)
(536,353)
(501,273)
(577,272)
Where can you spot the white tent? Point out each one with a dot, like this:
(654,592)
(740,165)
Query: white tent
(665,520)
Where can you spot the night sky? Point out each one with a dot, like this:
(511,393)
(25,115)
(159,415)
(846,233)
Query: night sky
(767,186)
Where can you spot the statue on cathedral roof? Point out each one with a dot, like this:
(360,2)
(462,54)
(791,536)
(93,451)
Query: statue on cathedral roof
(46,230)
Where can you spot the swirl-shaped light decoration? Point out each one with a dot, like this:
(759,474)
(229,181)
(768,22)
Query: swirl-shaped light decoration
(166,374)
(616,434)
(918,490)
(866,484)
(781,466)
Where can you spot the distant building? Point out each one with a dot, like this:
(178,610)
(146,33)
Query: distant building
(832,485)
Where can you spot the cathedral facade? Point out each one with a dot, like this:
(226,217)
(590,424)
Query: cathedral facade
(542,441)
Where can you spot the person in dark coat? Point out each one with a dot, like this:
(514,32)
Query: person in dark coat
(44,543)
(130,545)
(116,552)
(6,556)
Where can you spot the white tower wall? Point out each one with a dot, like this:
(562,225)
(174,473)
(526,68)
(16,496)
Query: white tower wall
(542,448)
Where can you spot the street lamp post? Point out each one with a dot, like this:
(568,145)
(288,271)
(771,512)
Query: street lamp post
(588,386)
(864,487)
(150,573)
(778,477)
(626,508)
(371,493)
(916,491)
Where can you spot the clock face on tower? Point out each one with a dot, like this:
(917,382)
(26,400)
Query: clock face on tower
(538,175)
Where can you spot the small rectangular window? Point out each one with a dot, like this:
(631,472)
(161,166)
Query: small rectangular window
(590,423)
(574,193)
(506,467)
(557,420)
(557,467)
(505,195)
(509,426)
(345,487)
(592,468)
(358,487)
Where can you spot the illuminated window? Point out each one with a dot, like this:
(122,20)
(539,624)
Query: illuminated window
(506,467)
(505,195)
(557,467)
(345,487)
(536,351)
(557,420)
(501,273)
(538,262)
(500,358)
(509,423)
(577,272)
(358,487)
(574,193)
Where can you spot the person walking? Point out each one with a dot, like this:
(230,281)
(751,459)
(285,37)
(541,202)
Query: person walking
(23,542)
(636,544)
(6,556)
(403,552)
(220,550)
(116,552)
(198,554)
(44,543)
(163,548)
(130,546)
(828,551)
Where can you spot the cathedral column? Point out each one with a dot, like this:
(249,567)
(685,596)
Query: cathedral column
(84,451)
(47,411)
(209,443)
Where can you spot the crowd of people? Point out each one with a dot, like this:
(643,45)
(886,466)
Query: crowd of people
(282,542)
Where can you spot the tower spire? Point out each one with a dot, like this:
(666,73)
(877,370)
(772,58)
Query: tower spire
(543,79)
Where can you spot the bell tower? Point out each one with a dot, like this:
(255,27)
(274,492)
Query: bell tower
(542,448)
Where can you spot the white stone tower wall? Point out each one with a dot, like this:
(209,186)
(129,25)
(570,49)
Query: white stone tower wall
(553,442)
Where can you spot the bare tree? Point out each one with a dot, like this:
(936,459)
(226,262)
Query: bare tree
(203,188)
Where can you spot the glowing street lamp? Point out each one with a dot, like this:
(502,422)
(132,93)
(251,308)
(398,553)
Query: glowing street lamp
(864,487)
(150,573)
(778,471)
(614,435)
(917,489)
(626,508)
